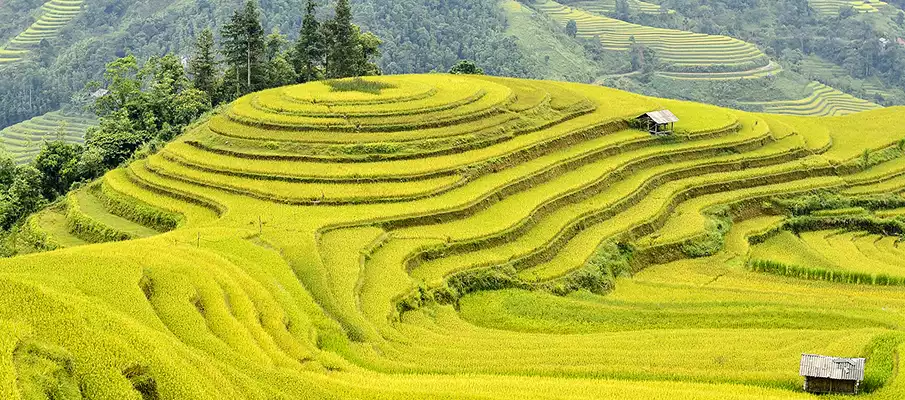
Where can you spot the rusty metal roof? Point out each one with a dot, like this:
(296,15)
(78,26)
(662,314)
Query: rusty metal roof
(662,116)
(817,366)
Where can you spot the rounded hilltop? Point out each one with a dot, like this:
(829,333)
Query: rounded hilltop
(393,116)
(450,236)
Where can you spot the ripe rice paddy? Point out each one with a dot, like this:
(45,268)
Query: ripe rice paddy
(458,237)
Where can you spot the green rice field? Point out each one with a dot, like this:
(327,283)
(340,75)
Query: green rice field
(468,237)
(822,101)
(683,55)
(54,15)
(832,7)
(24,140)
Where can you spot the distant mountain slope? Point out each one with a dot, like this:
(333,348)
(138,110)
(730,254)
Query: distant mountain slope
(418,36)
(55,14)
(24,140)
(715,51)
(677,51)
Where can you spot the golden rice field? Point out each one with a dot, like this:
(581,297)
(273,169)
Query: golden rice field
(823,101)
(682,55)
(55,14)
(24,140)
(453,237)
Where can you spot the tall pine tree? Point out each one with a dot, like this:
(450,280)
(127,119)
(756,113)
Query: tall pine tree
(279,70)
(243,48)
(309,49)
(343,52)
(203,64)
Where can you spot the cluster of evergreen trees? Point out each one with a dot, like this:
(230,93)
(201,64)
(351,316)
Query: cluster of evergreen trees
(335,48)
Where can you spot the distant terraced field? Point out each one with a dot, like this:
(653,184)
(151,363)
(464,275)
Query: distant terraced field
(55,14)
(682,55)
(833,7)
(24,140)
(453,237)
(823,101)
(609,6)
(819,69)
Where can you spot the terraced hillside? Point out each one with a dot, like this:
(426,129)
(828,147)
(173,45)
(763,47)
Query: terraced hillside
(609,6)
(438,236)
(823,100)
(24,140)
(821,70)
(54,15)
(683,55)
(833,7)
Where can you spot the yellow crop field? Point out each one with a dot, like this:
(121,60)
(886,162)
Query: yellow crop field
(468,237)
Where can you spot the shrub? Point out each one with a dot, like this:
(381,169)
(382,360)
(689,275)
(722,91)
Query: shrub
(358,85)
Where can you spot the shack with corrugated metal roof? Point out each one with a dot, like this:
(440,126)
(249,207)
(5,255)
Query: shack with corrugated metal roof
(659,122)
(823,374)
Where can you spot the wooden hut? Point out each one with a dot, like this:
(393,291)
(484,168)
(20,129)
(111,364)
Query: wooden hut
(658,122)
(824,374)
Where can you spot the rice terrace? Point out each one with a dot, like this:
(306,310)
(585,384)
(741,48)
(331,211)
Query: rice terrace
(464,236)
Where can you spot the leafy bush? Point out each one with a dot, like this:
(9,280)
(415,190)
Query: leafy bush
(358,85)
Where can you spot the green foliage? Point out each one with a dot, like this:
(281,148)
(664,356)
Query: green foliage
(572,28)
(827,200)
(712,240)
(203,65)
(58,163)
(243,49)
(343,52)
(7,171)
(357,85)
(310,48)
(279,71)
(155,101)
(598,275)
(800,272)
(880,361)
(644,60)
(25,196)
(868,223)
(466,67)
(349,53)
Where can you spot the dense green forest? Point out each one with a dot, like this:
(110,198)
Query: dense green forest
(417,36)
(864,45)
(423,36)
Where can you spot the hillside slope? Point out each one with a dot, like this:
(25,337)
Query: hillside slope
(24,140)
(407,242)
